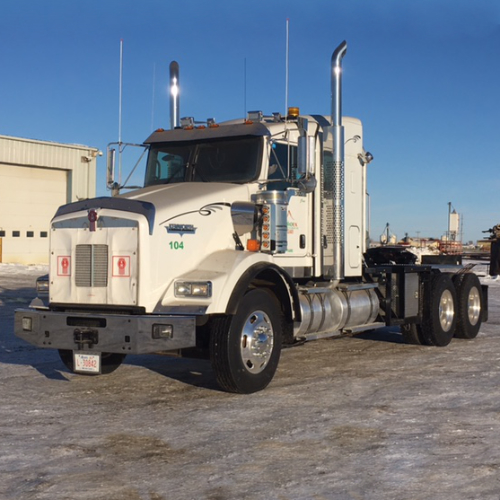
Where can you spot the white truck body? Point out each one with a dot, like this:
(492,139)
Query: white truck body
(247,234)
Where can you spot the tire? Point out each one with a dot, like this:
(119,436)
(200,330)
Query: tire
(245,348)
(110,361)
(412,334)
(439,311)
(469,305)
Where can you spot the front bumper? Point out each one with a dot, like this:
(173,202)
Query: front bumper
(127,334)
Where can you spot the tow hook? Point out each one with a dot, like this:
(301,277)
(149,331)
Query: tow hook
(85,337)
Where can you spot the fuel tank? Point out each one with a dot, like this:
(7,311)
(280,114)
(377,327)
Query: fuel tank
(329,310)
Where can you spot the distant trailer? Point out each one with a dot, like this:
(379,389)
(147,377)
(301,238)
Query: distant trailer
(451,247)
(36,177)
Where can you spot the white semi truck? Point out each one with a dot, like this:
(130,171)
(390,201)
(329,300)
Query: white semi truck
(247,235)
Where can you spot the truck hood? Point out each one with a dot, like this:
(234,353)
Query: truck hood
(176,200)
(191,222)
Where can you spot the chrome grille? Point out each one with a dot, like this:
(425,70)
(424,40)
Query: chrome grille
(91,265)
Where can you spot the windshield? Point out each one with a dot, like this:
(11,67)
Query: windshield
(235,160)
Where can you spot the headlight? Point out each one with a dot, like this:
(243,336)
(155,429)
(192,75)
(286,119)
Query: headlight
(193,289)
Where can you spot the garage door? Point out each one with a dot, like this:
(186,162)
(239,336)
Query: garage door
(29,198)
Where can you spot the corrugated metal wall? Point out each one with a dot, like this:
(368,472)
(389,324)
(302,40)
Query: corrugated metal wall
(79,160)
(49,174)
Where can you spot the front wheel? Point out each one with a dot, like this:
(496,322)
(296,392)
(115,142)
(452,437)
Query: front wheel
(245,348)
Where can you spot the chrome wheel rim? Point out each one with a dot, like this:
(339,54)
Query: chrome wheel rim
(257,341)
(446,310)
(474,305)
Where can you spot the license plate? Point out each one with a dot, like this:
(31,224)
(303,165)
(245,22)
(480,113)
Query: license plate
(87,363)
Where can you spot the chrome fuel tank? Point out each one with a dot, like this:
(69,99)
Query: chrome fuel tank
(328,310)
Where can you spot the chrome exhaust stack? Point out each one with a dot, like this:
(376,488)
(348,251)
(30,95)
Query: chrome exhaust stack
(174,95)
(338,162)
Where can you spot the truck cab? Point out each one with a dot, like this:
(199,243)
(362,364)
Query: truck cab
(246,235)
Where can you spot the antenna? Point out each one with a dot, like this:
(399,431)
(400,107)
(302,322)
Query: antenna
(286,69)
(153,98)
(244,88)
(120,116)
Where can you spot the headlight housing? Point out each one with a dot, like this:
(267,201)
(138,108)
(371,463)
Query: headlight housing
(193,289)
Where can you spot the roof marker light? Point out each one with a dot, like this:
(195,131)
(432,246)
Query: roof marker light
(255,116)
(187,122)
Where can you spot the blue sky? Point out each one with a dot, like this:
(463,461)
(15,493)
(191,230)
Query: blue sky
(423,76)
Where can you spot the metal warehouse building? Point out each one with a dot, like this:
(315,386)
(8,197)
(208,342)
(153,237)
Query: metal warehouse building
(36,177)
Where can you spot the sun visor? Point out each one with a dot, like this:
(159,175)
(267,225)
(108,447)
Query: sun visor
(200,134)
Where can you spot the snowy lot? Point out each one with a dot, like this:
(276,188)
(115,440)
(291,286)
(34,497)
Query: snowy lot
(353,418)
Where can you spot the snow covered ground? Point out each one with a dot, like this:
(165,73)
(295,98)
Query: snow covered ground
(354,418)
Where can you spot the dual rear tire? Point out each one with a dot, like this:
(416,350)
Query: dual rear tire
(470,304)
(451,307)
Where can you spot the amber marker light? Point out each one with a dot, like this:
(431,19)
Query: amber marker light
(253,246)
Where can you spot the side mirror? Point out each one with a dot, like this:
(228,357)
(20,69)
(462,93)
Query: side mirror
(306,155)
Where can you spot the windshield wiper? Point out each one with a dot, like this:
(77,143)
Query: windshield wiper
(174,175)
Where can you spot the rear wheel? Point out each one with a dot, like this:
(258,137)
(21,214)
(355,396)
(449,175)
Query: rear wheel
(245,348)
(110,361)
(439,311)
(469,305)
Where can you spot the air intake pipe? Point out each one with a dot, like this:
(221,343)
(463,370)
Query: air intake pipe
(174,95)
(338,162)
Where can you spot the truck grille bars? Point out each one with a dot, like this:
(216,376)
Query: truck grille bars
(91,266)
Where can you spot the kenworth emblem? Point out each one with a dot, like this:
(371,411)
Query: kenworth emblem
(92,219)
(181,228)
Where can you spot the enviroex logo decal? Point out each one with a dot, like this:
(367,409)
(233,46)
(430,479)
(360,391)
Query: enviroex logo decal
(204,211)
(181,228)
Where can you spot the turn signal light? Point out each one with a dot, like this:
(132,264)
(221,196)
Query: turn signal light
(253,246)
(163,331)
(27,324)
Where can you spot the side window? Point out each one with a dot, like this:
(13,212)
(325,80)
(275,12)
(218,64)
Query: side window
(282,165)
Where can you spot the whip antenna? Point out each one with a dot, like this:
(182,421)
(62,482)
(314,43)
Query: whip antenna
(244,88)
(120,115)
(286,69)
(153,98)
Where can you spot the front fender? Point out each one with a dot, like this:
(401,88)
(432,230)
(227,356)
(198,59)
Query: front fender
(232,273)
